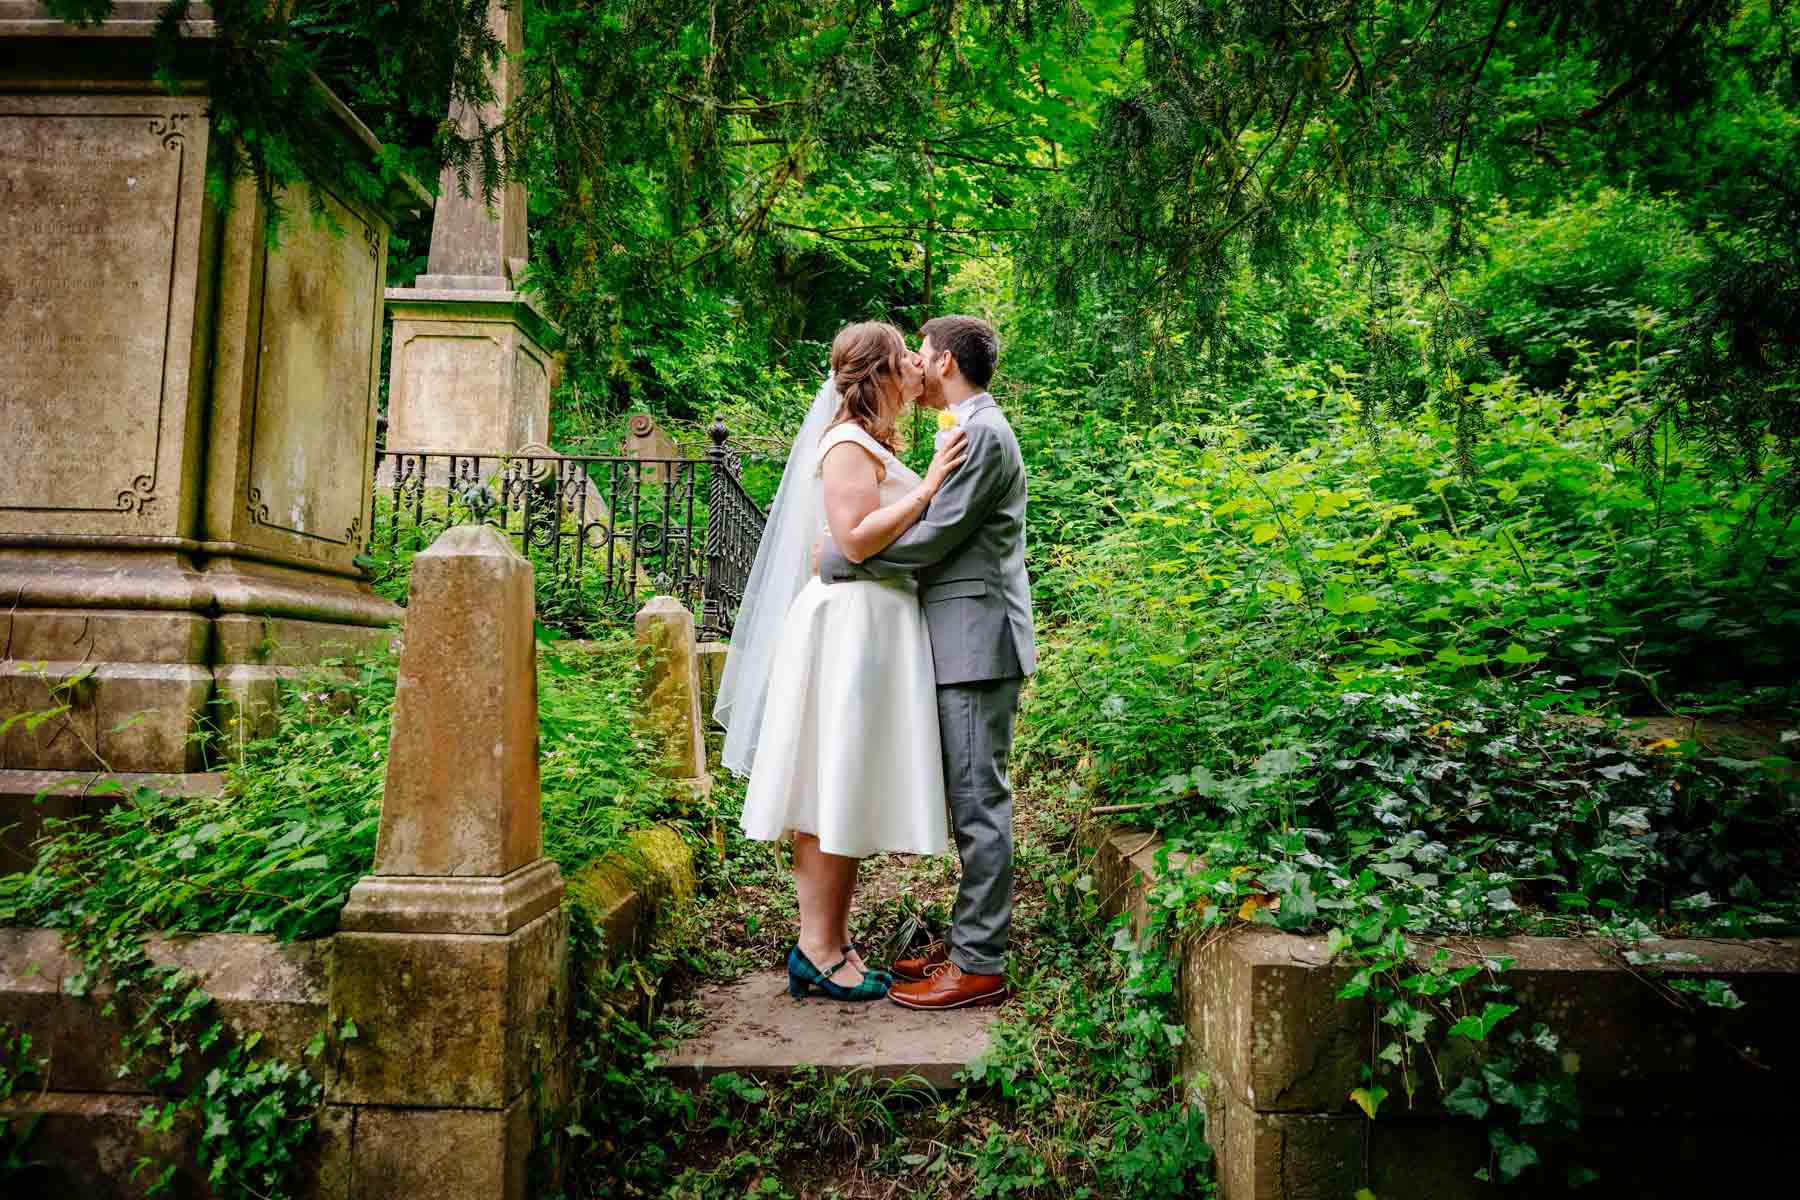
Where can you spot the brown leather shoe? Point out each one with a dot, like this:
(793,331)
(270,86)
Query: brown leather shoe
(919,967)
(951,987)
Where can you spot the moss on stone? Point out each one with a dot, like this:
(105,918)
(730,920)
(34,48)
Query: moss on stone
(636,890)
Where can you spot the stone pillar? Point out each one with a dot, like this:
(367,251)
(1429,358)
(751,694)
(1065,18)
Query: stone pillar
(187,415)
(452,960)
(474,360)
(712,671)
(671,690)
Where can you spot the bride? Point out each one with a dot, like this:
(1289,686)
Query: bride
(828,697)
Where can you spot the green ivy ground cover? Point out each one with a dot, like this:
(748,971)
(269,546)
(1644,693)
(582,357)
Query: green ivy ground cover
(278,850)
(1356,670)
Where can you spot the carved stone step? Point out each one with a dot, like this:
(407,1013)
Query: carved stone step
(753,1027)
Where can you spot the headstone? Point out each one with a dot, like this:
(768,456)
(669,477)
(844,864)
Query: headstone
(452,962)
(187,414)
(671,689)
(712,671)
(460,848)
(645,441)
(474,360)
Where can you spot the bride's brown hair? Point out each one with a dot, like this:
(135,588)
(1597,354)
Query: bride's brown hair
(865,360)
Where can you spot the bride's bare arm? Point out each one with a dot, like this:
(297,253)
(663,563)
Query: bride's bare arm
(860,525)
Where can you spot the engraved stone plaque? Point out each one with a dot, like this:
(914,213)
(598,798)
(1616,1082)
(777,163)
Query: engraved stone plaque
(98,201)
(310,424)
(453,399)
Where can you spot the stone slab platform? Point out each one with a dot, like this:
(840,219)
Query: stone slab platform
(755,1028)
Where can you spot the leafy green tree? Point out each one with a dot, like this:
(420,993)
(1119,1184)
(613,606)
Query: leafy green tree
(399,64)
(758,172)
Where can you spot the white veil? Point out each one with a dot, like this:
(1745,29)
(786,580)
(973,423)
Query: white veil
(783,565)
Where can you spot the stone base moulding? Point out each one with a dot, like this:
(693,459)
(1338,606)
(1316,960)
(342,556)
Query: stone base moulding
(1272,1055)
(29,799)
(453,903)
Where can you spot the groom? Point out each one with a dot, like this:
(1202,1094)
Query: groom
(968,552)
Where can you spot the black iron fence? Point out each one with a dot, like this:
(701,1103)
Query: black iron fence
(604,532)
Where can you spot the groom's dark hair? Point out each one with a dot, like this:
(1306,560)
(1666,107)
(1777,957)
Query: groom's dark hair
(971,341)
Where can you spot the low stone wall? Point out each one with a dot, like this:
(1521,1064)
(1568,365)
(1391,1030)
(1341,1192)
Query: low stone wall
(1669,1094)
(633,893)
(88,1139)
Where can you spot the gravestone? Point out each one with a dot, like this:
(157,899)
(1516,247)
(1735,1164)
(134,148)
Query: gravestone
(187,414)
(452,959)
(671,691)
(474,359)
(646,441)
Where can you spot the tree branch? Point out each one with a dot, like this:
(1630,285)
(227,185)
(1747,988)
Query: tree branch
(1642,75)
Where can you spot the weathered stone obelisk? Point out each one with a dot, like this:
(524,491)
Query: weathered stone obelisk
(474,360)
(187,415)
(452,957)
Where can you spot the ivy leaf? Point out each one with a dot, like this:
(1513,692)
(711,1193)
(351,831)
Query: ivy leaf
(1514,1157)
(1369,1099)
(1468,1098)
(1477,1028)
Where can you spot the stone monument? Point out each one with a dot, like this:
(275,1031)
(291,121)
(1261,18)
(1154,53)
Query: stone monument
(646,441)
(453,951)
(187,415)
(670,691)
(474,360)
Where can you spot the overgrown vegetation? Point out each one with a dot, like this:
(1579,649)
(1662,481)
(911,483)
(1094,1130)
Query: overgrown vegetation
(277,851)
(1408,392)
(1385,698)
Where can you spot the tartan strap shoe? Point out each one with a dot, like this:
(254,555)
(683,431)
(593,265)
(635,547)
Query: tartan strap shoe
(803,977)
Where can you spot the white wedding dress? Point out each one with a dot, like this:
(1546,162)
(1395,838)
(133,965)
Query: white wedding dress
(848,749)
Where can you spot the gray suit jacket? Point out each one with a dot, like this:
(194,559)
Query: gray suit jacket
(968,552)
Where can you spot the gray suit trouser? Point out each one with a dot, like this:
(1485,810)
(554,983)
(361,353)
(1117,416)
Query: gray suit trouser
(976,724)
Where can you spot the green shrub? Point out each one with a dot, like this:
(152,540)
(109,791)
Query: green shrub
(1348,653)
(1604,273)
(278,850)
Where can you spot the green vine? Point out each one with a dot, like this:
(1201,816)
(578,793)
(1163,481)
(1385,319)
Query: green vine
(253,1114)
(18,1066)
